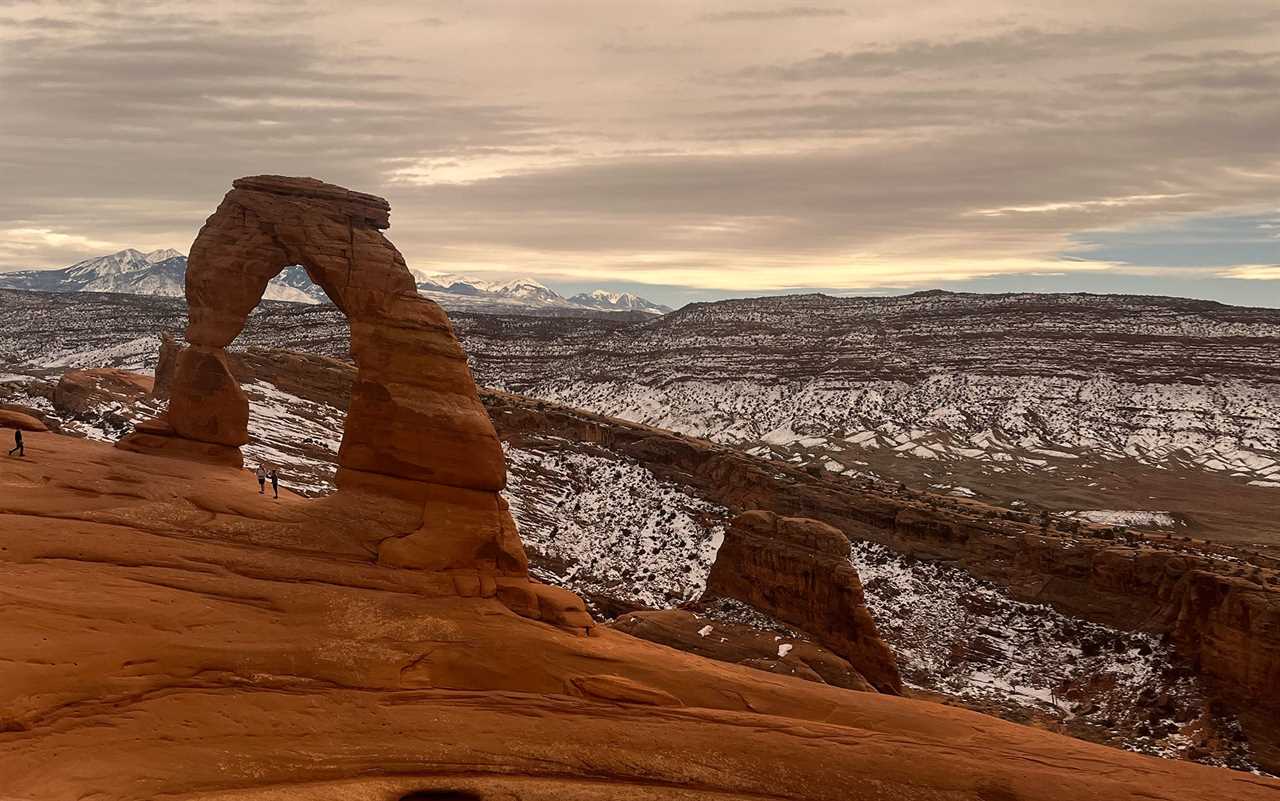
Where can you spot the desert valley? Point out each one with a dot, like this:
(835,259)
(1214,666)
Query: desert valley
(938,545)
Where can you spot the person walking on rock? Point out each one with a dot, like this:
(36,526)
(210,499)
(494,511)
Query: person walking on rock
(262,480)
(17,443)
(275,483)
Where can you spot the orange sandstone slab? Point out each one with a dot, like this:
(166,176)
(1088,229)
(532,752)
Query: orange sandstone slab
(168,633)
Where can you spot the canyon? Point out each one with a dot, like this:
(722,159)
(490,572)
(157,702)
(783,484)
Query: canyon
(619,512)
(474,588)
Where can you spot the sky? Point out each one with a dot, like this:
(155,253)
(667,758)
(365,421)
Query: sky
(685,150)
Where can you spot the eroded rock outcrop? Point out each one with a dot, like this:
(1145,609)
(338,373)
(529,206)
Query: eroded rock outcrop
(798,571)
(78,391)
(738,644)
(414,411)
(415,430)
(1220,605)
(22,421)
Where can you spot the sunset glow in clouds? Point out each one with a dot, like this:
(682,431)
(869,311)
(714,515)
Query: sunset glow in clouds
(701,149)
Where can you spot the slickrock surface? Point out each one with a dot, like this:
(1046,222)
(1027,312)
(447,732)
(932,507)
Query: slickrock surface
(788,654)
(797,570)
(170,633)
(13,419)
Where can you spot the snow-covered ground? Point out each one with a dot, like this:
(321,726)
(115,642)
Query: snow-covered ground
(294,435)
(607,525)
(133,354)
(1121,517)
(1231,427)
(954,634)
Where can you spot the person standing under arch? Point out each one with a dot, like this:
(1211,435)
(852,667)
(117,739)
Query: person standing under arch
(261,473)
(17,443)
(275,483)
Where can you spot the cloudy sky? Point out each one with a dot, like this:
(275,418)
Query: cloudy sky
(686,149)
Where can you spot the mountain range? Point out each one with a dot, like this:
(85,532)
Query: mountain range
(163,272)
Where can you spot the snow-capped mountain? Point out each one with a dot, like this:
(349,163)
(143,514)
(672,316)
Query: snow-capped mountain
(617,301)
(295,286)
(448,288)
(163,273)
(160,272)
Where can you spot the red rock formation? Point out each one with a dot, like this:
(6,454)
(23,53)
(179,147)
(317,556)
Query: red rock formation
(78,391)
(415,429)
(1223,613)
(742,645)
(414,412)
(798,571)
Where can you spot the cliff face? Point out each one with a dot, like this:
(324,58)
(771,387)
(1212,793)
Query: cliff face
(798,571)
(1221,611)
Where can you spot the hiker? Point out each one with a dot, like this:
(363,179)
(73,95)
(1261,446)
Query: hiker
(262,480)
(17,440)
(275,483)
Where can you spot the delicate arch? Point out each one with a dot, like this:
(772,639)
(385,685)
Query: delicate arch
(414,413)
(415,430)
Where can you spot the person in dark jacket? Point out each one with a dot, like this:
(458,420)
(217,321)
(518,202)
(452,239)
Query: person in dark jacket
(275,483)
(17,443)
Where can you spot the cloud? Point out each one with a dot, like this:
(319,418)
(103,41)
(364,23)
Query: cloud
(1254,272)
(171,108)
(892,146)
(1023,45)
(1080,205)
(788,12)
(18,246)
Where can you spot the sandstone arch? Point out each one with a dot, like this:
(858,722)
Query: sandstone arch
(415,430)
(414,410)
